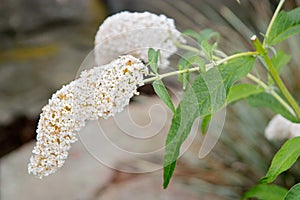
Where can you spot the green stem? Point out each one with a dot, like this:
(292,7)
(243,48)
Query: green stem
(238,55)
(272,21)
(273,93)
(272,71)
(208,66)
(281,86)
(161,76)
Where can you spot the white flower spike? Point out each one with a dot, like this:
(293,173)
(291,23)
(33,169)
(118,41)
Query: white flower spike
(98,93)
(134,33)
(281,128)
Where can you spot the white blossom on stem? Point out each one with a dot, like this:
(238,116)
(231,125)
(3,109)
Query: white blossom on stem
(98,93)
(281,128)
(134,33)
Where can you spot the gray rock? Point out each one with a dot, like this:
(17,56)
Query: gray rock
(20,15)
(80,177)
(51,40)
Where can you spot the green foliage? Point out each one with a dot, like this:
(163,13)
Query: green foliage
(214,89)
(293,193)
(184,78)
(207,41)
(206,96)
(268,101)
(197,61)
(162,92)
(204,38)
(191,33)
(205,122)
(283,159)
(265,192)
(208,49)
(285,25)
(242,91)
(187,61)
(153,57)
(204,35)
(280,59)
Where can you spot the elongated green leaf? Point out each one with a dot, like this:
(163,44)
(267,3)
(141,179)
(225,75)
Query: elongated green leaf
(205,34)
(189,60)
(184,78)
(191,33)
(268,101)
(153,57)
(208,34)
(162,92)
(283,159)
(205,122)
(206,96)
(285,25)
(197,61)
(184,60)
(208,49)
(265,192)
(293,193)
(280,59)
(242,91)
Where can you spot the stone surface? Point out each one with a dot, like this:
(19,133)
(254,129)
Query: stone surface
(18,15)
(42,45)
(80,177)
(89,172)
(148,187)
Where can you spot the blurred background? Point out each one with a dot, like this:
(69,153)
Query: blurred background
(42,45)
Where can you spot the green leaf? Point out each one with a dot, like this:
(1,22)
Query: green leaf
(208,49)
(187,61)
(183,62)
(205,34)
(285,25)
(191,33)
(280,59)
(206,96)
(265,192)
(153,57)
(293,193)
(267,100)
(191,59)
(242,91)
(205,122)
(283,159)
(199,62)
(208,34)
(186,80)
(162,92)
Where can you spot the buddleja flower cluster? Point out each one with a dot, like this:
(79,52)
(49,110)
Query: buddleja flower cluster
(281,128)
(134,33)
(103,91)
(98,94)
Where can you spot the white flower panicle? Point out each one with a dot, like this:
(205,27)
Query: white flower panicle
(133,33)
(97,94)
(281,128)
